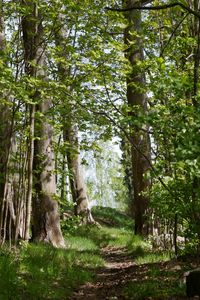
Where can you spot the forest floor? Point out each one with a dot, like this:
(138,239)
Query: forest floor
(106,262)
(132,270)
(122,279)
(119,268)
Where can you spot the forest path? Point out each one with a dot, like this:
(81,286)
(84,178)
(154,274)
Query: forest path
(118,271)
(110,279)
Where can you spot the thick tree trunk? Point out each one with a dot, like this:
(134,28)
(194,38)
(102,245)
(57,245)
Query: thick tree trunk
(46,220)
(137,101)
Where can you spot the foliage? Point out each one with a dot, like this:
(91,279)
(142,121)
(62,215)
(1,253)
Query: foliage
(105,173)
(170,44)
(70,224)
(93,92)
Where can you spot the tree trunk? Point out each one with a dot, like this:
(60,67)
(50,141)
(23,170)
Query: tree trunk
(46,220)
(4,120)
(30,40)
(70,135)
(77,183)
(137,101)
(7,147)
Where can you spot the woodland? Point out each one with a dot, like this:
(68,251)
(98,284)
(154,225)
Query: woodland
(99,149)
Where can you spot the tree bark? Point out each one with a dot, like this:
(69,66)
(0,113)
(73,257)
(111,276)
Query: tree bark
(46,220)
(137,101)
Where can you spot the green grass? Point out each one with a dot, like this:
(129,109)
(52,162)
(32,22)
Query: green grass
(155,281)
(153,289)
(10,280)
(112,217)
(104,236)
(81,244)
(152,257)
(38,271)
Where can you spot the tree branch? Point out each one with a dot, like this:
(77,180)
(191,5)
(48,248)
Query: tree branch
(130,140)
(157,7)
(172,34)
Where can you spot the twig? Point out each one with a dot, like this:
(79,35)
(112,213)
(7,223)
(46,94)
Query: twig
(172,34)
(103,113)
(157,7)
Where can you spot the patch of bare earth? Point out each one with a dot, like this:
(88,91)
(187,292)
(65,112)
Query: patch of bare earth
(119,270)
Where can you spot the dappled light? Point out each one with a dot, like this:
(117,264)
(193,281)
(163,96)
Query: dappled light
(97,263)
(99,150)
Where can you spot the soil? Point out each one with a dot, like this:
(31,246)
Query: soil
(119,270)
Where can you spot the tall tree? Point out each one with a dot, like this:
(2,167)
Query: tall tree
(137,100)
(70,124)
(45,222)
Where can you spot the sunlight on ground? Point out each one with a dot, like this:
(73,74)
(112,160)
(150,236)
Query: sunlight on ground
(38,271)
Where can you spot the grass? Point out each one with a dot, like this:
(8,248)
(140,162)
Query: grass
(9,277)
(152,257)
(81,244)
(153,289)
(105,236)
(38,271)
(155,281)
(112,218)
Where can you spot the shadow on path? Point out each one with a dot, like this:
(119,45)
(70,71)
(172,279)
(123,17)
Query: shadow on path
(117,273)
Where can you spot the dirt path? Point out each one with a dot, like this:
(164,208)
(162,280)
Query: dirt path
(110,280)
(118,271)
